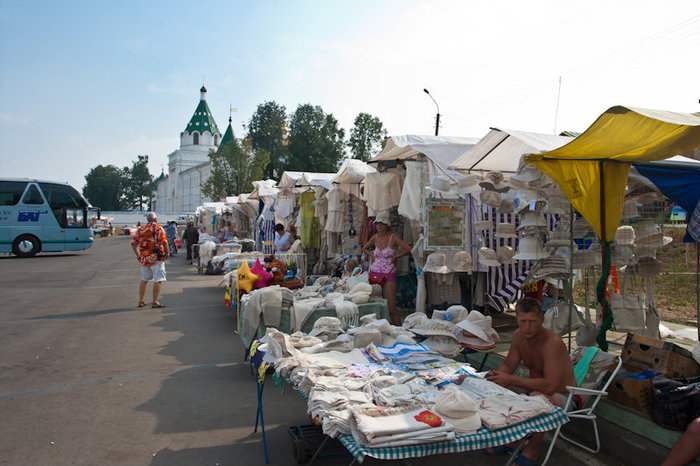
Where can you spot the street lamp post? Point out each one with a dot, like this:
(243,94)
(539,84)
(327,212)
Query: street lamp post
(437,116)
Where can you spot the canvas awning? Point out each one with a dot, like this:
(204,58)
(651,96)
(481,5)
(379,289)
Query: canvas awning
(501,149)
(592,169)
(441,150)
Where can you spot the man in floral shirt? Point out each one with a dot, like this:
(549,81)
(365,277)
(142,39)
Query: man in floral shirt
(151,248)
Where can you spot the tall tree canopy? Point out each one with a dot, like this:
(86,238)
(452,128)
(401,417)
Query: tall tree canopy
(267,129)
(315,140)
(103,187)
(366,137)
(138,184)
(234,167)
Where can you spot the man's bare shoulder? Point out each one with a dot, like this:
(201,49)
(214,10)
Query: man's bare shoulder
(553,342)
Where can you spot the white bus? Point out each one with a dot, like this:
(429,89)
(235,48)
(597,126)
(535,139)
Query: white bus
(42,216)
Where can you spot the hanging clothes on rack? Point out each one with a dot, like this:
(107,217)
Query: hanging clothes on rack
(309,227)
(382,190)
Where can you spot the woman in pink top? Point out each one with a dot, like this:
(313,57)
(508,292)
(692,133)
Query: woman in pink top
(385,254)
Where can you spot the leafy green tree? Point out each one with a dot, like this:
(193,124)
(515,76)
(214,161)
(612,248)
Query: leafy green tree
(315,140)
(267,129)
(138,184)
(234,167)
(103,187)
(366,137)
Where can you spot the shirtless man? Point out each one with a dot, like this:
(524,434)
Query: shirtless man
(545,355)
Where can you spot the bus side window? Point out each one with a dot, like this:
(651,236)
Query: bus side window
(11,192)
(33,196)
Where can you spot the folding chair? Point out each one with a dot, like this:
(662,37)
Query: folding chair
(593,365)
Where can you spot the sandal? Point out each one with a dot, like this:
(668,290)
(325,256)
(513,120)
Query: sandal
(157,305)
(142,304)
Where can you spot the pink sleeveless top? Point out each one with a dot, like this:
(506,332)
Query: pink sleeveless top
(382,259)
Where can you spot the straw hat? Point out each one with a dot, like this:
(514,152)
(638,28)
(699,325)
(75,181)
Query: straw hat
(440,184)
(488,257)
(629,211)
(494,181)
(554,267)
(625,235)
(532,219)
(383,217)
(462,262)
(477,332)
(505,230)
(468,184)
(483,225)
(443,344)
(526,173)
(435,263)
(650,235)
(459,410)
(530,199)
(436,328)
(507,205)
(529,248)
(505,255)
(490,198)
(559,238)
(648,267)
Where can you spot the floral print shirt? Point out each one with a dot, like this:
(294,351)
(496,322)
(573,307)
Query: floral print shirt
(147,238)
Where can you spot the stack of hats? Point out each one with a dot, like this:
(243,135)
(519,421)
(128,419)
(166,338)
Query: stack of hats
(554,267)
(436,263)
(530,248)
(477,332)
(650,235)
(488,257)
(462,262)
(439,336)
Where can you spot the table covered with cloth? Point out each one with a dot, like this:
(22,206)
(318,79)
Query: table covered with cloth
(482,439)
(378,307)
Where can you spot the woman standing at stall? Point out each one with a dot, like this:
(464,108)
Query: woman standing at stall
(386,254)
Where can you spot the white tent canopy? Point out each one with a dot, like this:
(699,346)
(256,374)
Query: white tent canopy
(289,179)
(264,188)
(352,171)
(441,150)
(309,179)
(501,149)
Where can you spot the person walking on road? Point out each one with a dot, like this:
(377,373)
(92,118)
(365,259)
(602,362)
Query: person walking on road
(171,234)
(151,248)
(190,237)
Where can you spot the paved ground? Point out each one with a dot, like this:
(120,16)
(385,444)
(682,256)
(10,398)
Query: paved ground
(88,378)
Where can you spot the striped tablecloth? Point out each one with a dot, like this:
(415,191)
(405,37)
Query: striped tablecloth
(483,438)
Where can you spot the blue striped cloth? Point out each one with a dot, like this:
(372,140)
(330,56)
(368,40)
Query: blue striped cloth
(483,438)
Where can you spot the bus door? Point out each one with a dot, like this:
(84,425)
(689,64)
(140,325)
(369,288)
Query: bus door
(35,217)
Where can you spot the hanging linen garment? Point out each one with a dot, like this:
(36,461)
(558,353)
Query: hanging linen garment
(308,229)
(284,205)
(382,190)
(419,258)
(321,208)
(334,221)
(410,202)
(364,225)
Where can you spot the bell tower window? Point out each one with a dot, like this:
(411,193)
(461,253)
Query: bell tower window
(216,139)
(195,139)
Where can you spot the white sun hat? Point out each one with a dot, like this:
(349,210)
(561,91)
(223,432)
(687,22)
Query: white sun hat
(477,332)
(505,254)
(625,235)
(650,235)
(530,199)
(530,248)
(488,257)
(457,409)
(462,262)
(468,184)
(436,263)
(532,219)
(507,205)
(490,198)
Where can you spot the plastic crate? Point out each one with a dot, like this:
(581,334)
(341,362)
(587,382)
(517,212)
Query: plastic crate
(306,440)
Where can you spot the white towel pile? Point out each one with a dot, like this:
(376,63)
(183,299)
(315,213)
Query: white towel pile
(389,427)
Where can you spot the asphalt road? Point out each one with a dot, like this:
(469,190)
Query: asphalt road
(88,378)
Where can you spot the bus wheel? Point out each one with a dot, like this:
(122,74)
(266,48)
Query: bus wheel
(25,246)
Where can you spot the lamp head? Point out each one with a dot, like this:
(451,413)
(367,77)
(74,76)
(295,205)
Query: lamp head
(426,91)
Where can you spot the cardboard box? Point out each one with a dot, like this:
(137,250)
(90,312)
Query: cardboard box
(636,394)
(655,355)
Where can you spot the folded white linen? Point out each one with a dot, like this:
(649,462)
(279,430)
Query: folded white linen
(501,411)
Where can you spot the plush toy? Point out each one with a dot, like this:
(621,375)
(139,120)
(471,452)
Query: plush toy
(246,278)
(264,275)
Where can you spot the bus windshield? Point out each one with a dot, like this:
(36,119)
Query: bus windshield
(67,205)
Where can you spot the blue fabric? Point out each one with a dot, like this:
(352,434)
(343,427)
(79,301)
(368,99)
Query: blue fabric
(678,184)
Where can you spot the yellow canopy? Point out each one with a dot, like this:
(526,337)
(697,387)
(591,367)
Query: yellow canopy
(595,165)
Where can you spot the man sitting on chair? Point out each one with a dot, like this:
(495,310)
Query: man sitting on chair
(545,355)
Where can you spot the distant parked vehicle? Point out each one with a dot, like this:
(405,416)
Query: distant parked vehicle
(42,216)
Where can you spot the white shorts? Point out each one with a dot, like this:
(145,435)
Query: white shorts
(155,272)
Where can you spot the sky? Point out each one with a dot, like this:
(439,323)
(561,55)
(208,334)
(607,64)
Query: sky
(86,83)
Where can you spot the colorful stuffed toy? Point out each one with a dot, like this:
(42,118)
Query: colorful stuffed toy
(264,275)
(246,278)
